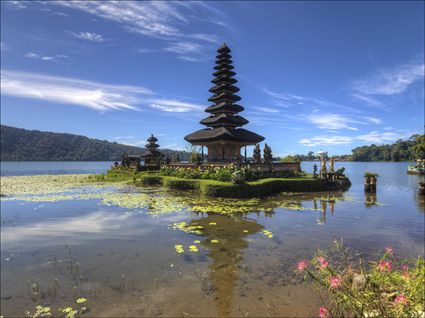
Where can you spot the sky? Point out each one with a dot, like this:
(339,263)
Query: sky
(312,75)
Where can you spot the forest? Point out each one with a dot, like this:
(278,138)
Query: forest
(402,150)
(19,144)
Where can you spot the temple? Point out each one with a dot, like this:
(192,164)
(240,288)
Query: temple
(152,156)
(223,136)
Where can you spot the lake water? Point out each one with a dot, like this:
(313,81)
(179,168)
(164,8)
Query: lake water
(122,257)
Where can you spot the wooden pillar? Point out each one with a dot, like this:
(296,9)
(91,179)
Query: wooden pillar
(202,153)
(222,152)
(245,153)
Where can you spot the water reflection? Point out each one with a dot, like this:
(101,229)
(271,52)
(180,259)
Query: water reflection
(370,199)
(225,240)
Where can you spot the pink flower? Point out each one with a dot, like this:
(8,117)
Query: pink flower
(323,262)
(323,312)
(335,282)
(401,299)
(405,267)
(301,265)
(389,250)
(385,265)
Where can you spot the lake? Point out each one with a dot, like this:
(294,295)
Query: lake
(115,244)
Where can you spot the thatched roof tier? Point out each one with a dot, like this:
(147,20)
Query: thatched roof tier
(223,49)
(224,72)
(152,146)
(152,139)
(224,66)
(223,55)
(224,134)
(223,61)
(224,97)
(224,88)
(224,120)
(224,108)
(224,79)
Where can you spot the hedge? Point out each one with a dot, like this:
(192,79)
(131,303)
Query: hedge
(258,188)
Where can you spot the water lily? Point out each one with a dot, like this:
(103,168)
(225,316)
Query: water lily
(81,300)
(301,265)
(323,312)
(323,262)
(335,282)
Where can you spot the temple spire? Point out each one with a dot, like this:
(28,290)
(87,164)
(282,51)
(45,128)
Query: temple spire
(223,135)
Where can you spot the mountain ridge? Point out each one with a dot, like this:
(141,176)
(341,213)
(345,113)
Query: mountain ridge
(19,144)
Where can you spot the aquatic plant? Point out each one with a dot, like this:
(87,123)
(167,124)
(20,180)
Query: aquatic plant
(383,288)
(369,174)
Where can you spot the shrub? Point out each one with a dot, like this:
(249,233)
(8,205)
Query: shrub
(385,288)
(340,171)
(181,184)
(149,180)
(226,173)
(370,174)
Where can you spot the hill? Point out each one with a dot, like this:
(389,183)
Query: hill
(19,144)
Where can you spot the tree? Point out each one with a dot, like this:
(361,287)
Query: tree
(257,154)
(268,157)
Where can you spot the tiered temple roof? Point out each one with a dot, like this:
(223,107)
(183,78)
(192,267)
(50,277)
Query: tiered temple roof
(151,147)
(223,123)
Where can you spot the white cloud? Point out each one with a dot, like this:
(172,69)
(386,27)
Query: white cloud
(3,47)
(37,56)
(373,120)
(388,82)
(267,110)
(332,121)
(373,137)
(174,106)
(185,50)
(326,141)
(376,137)
(165,20)
(88,36)
(98,96)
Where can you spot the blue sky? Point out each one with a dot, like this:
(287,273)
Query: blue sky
(313,75)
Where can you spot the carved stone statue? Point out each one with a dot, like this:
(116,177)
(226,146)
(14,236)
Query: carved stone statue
(323,169)
(257,154)
(331,166)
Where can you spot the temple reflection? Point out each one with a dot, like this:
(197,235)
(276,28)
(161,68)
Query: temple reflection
(225,240)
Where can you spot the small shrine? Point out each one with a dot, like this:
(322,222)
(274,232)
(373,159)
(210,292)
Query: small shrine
(223,136)
(152,157)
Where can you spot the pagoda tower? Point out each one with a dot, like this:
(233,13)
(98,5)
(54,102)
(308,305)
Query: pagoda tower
(152,156)
(223,136)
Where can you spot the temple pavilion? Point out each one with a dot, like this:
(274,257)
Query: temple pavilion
(224,136)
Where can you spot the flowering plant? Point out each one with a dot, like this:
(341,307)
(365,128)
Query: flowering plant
(384,288)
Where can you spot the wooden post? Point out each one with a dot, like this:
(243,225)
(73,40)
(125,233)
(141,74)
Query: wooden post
(370,184)
(202,153)
(245,153)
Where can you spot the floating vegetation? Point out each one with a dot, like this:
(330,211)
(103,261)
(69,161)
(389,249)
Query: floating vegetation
(81,300)
(268,233)
(182,226)
(41,184)
(214,241)
(193,248)
(197,241)
(179,248)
